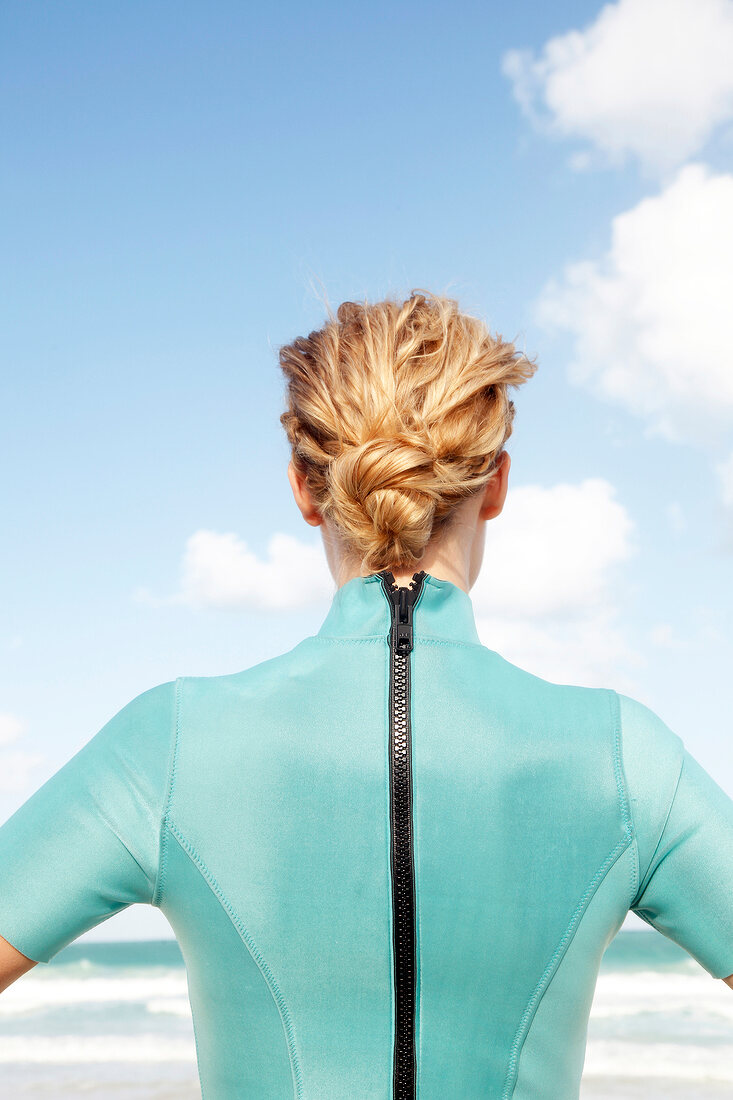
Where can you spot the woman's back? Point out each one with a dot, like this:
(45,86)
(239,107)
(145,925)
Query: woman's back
(259,811)
(392,859)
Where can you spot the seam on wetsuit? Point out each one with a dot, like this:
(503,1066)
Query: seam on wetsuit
(254,951)
(355,639)
(644,880)
(359,639)
(510,1080)
(427,639)
(623,787)
(172,763)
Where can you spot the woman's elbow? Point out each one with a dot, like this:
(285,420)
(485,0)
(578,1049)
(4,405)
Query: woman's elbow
(12,964)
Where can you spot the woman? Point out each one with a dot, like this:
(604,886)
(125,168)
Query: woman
(392,859)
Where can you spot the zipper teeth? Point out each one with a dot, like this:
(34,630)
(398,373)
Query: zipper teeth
(402,858)
(403,883)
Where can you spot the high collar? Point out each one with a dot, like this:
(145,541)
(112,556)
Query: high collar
(360,609)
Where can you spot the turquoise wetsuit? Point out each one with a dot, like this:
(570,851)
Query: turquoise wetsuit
(345,935)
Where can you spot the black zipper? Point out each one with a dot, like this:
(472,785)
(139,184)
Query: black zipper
(402,601)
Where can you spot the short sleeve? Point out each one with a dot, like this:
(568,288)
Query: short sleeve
(685,886)
(86,844)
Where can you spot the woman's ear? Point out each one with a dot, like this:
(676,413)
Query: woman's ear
(303,497)
(496,488)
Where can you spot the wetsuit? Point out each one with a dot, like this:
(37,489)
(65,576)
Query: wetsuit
(392,859)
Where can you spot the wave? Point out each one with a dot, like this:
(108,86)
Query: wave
(647,991)
(709,1064)
(27,995)
(77,1050)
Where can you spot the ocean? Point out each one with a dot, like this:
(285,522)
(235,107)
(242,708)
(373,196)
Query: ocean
(112,1021)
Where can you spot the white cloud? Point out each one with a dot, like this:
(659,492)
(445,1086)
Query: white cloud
(592,652)
(651,320)
(651,78)
(219,570)
(16,766)
(553,550)
(545,596)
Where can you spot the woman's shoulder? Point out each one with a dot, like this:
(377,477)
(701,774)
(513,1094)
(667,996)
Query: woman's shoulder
(652,751)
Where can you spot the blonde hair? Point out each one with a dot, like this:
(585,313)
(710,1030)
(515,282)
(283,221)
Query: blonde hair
(397,412)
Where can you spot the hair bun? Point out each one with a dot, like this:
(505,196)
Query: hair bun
(383,492)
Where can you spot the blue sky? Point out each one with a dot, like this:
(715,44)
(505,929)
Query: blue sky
(180,186)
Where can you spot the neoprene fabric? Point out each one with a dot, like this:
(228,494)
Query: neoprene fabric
(253,810)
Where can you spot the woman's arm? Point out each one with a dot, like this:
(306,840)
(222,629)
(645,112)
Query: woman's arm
(12,964)
(86,844)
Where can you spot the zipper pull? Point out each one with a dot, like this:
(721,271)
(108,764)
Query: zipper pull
(403,601)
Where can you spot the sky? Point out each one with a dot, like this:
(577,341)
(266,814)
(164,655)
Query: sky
(183,186)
